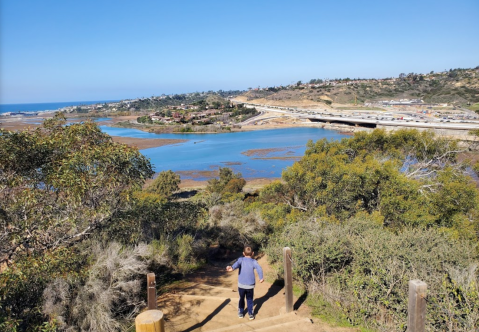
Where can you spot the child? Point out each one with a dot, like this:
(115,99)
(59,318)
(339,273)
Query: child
(246,280)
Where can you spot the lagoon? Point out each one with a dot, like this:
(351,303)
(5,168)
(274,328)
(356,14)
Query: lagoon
(274,150)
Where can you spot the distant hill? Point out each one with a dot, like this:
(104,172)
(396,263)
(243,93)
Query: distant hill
(458,87)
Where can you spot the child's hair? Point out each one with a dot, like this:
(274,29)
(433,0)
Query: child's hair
(248,251)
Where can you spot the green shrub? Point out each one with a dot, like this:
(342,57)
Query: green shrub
(228,182)
(165,184)
(144,119)
(411,178)
(234,186)
(359,271)
(234,226)
(187,258)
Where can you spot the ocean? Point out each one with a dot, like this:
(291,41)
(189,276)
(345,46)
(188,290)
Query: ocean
(41,107)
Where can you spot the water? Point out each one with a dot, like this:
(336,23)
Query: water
(39,107)
(207,152)
(72,120)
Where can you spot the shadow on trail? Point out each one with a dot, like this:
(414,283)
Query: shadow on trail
(175,307)
(209,317)
(300,301)
(274,289)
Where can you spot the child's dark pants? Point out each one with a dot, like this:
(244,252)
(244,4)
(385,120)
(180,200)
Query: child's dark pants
(249,293)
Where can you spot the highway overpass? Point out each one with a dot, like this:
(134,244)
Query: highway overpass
(373,121)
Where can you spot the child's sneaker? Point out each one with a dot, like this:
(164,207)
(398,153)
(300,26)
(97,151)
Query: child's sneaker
(240,315)
(251,317)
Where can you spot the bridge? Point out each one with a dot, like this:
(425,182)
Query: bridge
(377,120)
(373,123)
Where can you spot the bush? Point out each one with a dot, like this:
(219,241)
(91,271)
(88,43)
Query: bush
(109,298)
(234,227)
(228,182)
(411,178)
(22,285)
(359,271)
(234,186)
(165,184)
(144,119)
(188,253)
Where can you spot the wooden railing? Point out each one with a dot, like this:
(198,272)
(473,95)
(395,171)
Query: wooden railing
(152,320)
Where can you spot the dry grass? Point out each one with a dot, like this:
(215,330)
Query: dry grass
(110,297)
(236,228)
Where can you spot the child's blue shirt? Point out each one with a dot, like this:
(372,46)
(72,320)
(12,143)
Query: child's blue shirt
(246,277)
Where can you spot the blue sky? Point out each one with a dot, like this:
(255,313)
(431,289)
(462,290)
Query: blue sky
(98,50)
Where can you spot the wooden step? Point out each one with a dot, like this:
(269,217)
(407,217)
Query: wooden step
(202,297)
(303,324)
(280,321)
(207,290)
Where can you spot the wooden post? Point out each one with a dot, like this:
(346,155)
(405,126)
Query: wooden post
(151,284)
(288,279)
(150,321)
(416,320)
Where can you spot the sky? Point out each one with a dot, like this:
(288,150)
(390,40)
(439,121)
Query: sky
(53,50)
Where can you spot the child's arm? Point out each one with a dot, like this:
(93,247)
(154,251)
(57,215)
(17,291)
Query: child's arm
(259,270)
(236,265)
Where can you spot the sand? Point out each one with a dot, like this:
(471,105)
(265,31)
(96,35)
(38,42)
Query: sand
(146,143)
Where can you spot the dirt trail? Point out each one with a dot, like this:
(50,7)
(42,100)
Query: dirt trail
(208,300)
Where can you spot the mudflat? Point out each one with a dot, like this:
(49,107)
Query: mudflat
(146,143)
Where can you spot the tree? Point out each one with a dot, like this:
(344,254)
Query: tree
(144,119)
(165,184)
(226,182)
(411,178)
(234,186)
(60,183)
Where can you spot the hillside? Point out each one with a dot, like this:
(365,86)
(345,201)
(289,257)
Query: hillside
(458,87)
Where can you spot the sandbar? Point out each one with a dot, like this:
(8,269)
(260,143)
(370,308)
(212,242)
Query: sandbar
(258,153)
(146,143)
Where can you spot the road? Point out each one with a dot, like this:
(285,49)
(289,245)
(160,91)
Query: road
(372,118)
